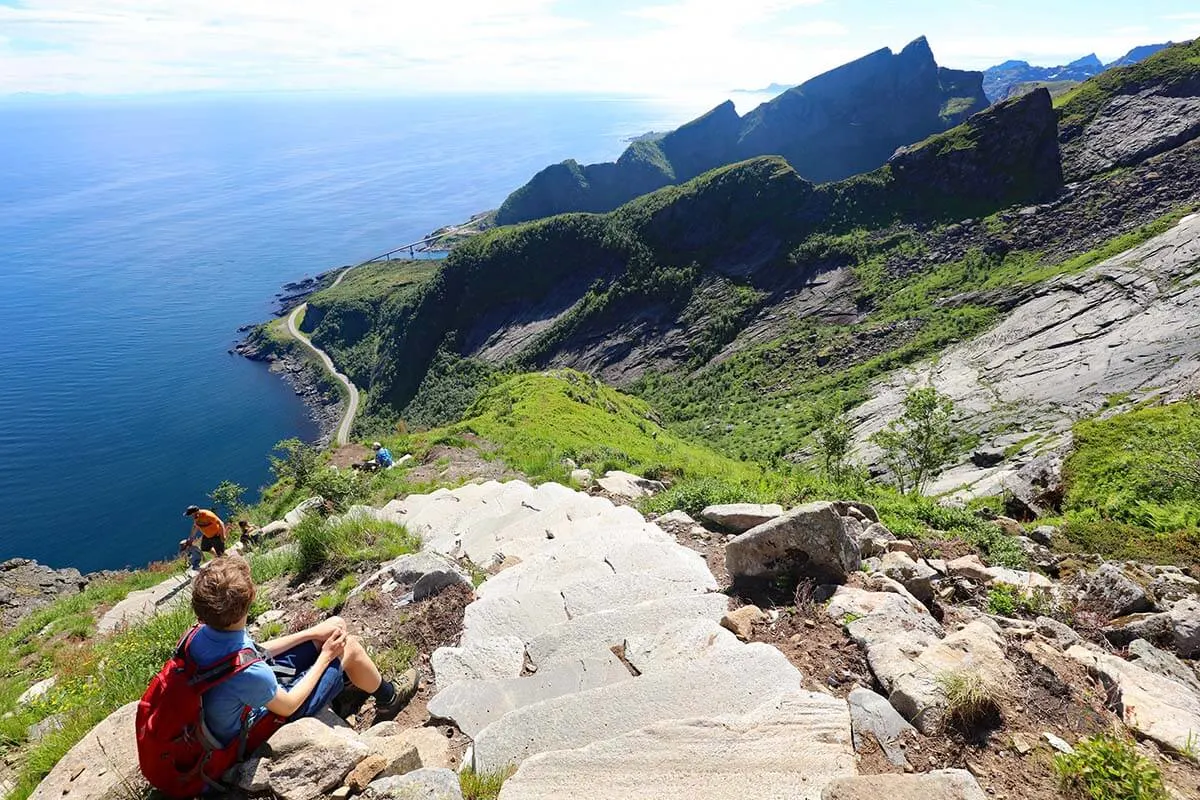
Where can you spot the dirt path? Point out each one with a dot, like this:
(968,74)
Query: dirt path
(343,429)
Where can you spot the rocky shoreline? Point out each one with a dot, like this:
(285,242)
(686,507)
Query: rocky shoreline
(309,383)
(26,586)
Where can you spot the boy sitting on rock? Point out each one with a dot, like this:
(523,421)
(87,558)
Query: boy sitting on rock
(303,672)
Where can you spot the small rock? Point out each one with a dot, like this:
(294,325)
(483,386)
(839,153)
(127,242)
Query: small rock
(1061,635)
(341,793)
(1109,588)
(1020,745)
(969,567)
(1044,534)
(916,578)
(37,691)
(676,518)
(267,617)
(253,777)
(871,713)
(423,784)
(309,506)
(902,546)
(583,478)
(1058,744)
(629,487)
(741,621)
(365,772)
(1010,526)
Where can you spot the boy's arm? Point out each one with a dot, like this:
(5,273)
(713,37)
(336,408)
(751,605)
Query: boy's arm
(317,633)
(287,701)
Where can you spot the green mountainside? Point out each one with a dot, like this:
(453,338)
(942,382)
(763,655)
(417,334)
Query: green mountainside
(847,121)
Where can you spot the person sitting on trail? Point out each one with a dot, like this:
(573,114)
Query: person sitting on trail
(383,456)
(250,534)
(209,529)
(302,672)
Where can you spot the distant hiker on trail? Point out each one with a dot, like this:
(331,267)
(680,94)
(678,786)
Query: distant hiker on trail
(208,528)
(383,456)
(245,692)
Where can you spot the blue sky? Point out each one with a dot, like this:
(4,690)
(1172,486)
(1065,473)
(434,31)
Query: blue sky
(643,46)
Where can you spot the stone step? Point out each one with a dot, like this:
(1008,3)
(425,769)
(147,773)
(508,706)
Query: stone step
(438,522)
(610,552)
(483,659)
(790,748)
(734,681)
(475,704)
(529,614)
(139,606)
(594,634)
(488,540)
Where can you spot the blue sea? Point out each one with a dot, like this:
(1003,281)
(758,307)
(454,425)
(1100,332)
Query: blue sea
(136,235)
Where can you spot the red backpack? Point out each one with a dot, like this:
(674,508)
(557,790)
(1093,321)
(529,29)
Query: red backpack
(176,753)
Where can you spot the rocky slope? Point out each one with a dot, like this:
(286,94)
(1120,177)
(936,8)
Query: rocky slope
(844,122)
(599,652)
(1000,81)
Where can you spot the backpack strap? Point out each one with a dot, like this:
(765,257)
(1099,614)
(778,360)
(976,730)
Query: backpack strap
(205,677)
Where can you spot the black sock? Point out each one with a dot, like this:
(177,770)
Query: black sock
(385,693)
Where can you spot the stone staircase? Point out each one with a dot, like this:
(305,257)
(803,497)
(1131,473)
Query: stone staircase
(595,659)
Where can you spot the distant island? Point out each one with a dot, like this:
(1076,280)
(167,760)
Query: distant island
(774,88)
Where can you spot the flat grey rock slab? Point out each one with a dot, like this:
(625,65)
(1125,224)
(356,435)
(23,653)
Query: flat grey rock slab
(789,748)
(99,766)
(730,682)
(620,591)
(741,517)
(873,716)
(139,606)
(523,616)
(631,487)
(475,704)
(947,784)
(593,634)
(677,642)
(576,522)
(1154,706)
(483,659)
(421,784)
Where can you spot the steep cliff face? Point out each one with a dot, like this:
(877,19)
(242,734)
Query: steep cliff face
(1132,113)
(841,123)
(674,276)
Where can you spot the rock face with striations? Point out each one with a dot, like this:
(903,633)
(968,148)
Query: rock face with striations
(841,123)
(26,585)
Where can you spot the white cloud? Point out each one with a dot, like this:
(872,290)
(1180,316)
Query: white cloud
(817,29)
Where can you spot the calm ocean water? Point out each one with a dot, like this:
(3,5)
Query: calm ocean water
(136,236)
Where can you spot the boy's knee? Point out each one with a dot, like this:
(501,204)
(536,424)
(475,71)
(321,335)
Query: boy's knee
(336,622)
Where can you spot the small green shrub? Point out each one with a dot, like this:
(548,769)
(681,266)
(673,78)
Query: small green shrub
(339,487)
(270,630)
(970,699)
(397,659)
(274,564)
(1002,600)
(1108,767)
(483,785)
(335,598)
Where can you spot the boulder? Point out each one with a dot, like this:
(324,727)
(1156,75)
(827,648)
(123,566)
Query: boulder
(1153,706)
(1154,628)
(583,478)
(989,457)
(1160,662)
(309,759)
(99,766)
(423,784)
(877,530)
(1185,626)
(740,517)
(741,621)
(1168,588)
(1036,489)
(864,512)
(252,776)
(919,692)
(676,518)
(1109,589)
(433,748)
(915,577)
(427,573)
(366,771)
(37,691)
(481,659)
(807,541)
(947,784)
(969,567)
(1063,636)
(1010,526)
(277,528)
(629,487)
(309,506)
(1044,534)
(873,715)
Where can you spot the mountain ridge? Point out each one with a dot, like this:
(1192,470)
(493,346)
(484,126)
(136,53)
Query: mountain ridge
(1002,80)
(840,123)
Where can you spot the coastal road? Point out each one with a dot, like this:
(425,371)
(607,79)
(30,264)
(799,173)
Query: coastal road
(343,429)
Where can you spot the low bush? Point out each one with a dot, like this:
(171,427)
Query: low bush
(970,699)
(1108,767)
(335,598)
(483,785)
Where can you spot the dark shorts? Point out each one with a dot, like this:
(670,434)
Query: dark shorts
(214,543)
(292,665)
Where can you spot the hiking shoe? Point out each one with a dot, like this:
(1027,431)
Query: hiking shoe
(348,701)
(405,688)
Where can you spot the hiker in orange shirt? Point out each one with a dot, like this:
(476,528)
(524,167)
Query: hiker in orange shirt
(208,527)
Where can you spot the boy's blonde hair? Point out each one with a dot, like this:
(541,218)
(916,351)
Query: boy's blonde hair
(222,592)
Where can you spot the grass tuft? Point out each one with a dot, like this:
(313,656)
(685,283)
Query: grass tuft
(970,699)
(342,545)
(483,785)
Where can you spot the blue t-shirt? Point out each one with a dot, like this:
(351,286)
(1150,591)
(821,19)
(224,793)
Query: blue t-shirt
(384,457)
(254,686)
